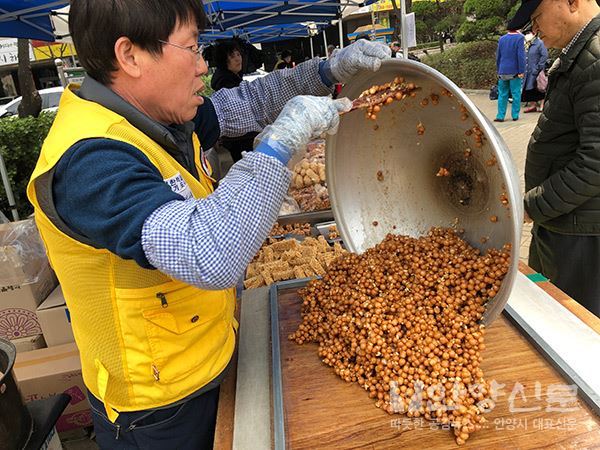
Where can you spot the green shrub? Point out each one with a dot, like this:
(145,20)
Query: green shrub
(470,65)
(208,91)
(20,144)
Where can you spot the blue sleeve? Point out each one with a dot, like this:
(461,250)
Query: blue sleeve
(325,73)
(543,58)
(498,51)
(521,54)
(253,105)
(104,190)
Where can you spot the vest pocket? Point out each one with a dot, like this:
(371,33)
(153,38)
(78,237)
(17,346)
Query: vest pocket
(185,328)
(185,333)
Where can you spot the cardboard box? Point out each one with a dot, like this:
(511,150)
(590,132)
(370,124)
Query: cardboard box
(55,319)
(18,304)
(50,371)
(29,343)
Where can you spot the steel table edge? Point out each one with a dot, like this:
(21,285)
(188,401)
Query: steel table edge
(589,396)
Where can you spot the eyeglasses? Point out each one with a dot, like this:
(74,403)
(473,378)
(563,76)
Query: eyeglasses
(195,49)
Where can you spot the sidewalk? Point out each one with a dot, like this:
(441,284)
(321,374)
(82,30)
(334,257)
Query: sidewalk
(516,135)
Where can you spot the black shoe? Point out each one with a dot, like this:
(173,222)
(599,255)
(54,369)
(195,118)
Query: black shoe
(498,120)
(514,120)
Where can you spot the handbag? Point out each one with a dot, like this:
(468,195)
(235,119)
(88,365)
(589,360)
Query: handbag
(541,81)
(494,92)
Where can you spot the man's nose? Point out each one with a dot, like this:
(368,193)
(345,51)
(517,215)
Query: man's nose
(201,67)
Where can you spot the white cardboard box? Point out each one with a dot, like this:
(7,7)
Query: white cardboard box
(29,343)
(19,302)
(55,319)
(49,371)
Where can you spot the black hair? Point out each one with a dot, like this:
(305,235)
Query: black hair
(285,54)
(95,26)
(222,50)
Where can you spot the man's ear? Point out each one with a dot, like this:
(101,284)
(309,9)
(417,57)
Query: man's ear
(128,57)
(573,5)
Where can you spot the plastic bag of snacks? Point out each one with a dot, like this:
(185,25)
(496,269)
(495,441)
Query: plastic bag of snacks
(309,185)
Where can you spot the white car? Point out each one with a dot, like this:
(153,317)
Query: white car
(50,99)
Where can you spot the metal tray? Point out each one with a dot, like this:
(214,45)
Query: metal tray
(323,229)
(279,440)
(307,217)
(278,408)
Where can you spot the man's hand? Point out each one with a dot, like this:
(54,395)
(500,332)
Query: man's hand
(526,218)
(302,119)
(359,56)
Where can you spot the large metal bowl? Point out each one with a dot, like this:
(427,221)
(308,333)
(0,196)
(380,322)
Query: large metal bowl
(410,198)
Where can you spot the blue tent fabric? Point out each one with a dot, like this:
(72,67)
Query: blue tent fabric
(29,19)
(256,35)
(226,15)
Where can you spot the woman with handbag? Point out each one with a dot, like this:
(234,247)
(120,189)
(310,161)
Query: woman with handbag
(536,57)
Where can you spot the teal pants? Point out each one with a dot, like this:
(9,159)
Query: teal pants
(504,86)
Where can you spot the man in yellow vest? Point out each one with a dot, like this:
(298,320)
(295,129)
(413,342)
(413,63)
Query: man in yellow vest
(146,252)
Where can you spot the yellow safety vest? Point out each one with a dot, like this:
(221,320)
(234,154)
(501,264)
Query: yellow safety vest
(145,339)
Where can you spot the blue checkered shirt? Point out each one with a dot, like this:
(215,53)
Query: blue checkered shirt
(209,242)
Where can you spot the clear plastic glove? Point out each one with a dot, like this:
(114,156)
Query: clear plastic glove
(301,120)
(361,55)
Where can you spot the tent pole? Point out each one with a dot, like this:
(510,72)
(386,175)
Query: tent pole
(341,30)
(312,50)
(9,193)
(325,41)
(72,55)
(403,30)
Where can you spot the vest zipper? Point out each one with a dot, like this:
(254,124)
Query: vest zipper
(118,431)
(163,299)
(155,373)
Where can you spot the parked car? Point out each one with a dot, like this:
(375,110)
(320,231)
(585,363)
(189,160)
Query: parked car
(50,99)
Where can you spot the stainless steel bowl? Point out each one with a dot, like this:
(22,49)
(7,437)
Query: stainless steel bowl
(410,198)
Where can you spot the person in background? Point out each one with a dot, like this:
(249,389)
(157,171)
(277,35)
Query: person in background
(562,186)
(330,50)
(285,60)
(535,62)
(396,50)
(228,62)
(147,252)
(252,58)
(510,66)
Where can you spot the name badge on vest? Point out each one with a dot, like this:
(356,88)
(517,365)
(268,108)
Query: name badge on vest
(179,186)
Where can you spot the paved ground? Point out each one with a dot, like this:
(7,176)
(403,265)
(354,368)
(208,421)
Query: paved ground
(516,134)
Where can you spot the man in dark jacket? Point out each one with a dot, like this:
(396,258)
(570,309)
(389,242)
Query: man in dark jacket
(562,172)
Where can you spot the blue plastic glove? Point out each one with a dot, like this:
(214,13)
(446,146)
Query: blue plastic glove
(362,55)
(301,120)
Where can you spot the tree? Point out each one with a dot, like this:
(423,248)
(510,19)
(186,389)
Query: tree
(437,19)
(31,104)
(486,19)
(397,15)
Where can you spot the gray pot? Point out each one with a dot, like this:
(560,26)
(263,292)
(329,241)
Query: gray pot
(407,197)
(15,420)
